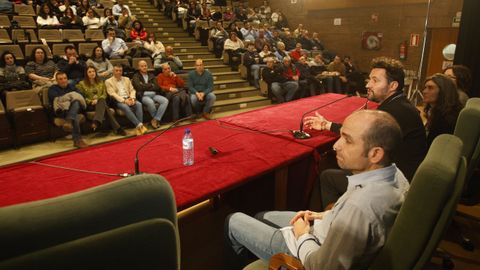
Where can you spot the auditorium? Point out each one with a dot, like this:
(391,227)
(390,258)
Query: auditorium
(239,134)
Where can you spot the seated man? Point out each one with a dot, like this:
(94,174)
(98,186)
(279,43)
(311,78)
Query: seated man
(385,86)
(173,86)
(112,46)
(173,61)
(351,234)
(148,92)
(200,86)
(72,66)
(282,89)
(338,68)
(67,102)
(251,60)
(121,89)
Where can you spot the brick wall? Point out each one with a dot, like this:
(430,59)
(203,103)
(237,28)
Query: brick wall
(395,21)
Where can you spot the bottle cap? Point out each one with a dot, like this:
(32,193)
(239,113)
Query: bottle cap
(187,130)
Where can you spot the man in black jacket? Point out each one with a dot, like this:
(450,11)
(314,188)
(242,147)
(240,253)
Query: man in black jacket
(278,85)
(385,86)
(251,60)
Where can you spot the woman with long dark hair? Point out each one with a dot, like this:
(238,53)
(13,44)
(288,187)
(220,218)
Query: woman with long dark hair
(40,70)
(12,76)
(138,32)
(46,19)
(101,63)
(462,77)
(442,105)
(95,93)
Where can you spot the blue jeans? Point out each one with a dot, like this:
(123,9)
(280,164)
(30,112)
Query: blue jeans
(149,98)
(284,91)
(208,101)
(72,114)
(261,239)
(255,71)
(136,118)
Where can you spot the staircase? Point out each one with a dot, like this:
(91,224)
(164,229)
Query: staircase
(233,93)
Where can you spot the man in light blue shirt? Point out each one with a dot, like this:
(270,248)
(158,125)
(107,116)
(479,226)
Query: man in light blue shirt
(350,234)
(114,47)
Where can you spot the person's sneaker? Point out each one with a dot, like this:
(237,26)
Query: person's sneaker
(80,143)
(140,130)
(94,125)
(67,126)
(121,132)
(155,123)
(207,116)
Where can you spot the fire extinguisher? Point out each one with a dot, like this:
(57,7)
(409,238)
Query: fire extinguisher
(403,51)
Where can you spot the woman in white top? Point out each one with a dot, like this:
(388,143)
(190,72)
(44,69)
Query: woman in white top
(90,21)
(266,53)
(45,19)
(156,47)
(234,47)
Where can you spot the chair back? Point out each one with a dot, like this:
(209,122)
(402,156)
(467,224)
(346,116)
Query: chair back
(468,130)
(126,224)
(73,35)
(50,35)
(428,207)
(25,21)
(22,100)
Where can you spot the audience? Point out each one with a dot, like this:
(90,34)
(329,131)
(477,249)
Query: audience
(12,76)
(138,32)
(125,21)
(114,47)
(101,63)
(148,91)
(120,88)
(171,59)
(200,86)
(46,19)
(174,88)
(251,60)
(339,71)
(72,66)
(67,102)
(118,8)
(307,82)
(282,89)
(95,93)
(234,47)
(156,49)
(462,77)
(70,20)
(40,70)
(442,105)
(90,21)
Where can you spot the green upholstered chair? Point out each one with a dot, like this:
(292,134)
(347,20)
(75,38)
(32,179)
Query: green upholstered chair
(468,130)
(126,224)
(426,212)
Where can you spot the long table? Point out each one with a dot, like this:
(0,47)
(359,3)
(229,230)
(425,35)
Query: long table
(249,144)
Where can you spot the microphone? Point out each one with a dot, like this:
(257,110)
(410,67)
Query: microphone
(136,162)
(300,134)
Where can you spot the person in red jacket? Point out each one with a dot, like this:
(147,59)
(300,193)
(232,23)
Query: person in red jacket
(138,32)
(297,52)
(174,88)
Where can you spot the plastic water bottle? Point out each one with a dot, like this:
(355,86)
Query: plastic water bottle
(188,150)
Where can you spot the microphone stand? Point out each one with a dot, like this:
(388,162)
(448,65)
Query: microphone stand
(136,162)
(301,134)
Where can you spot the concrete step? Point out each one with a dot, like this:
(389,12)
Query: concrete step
(173,34)
(213,68)
(178,39)
(190,56)
(202,49)
(192,43)
(162,27)
(229,84)
(206,62)
(240,92)
(240,103)
(229,75)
